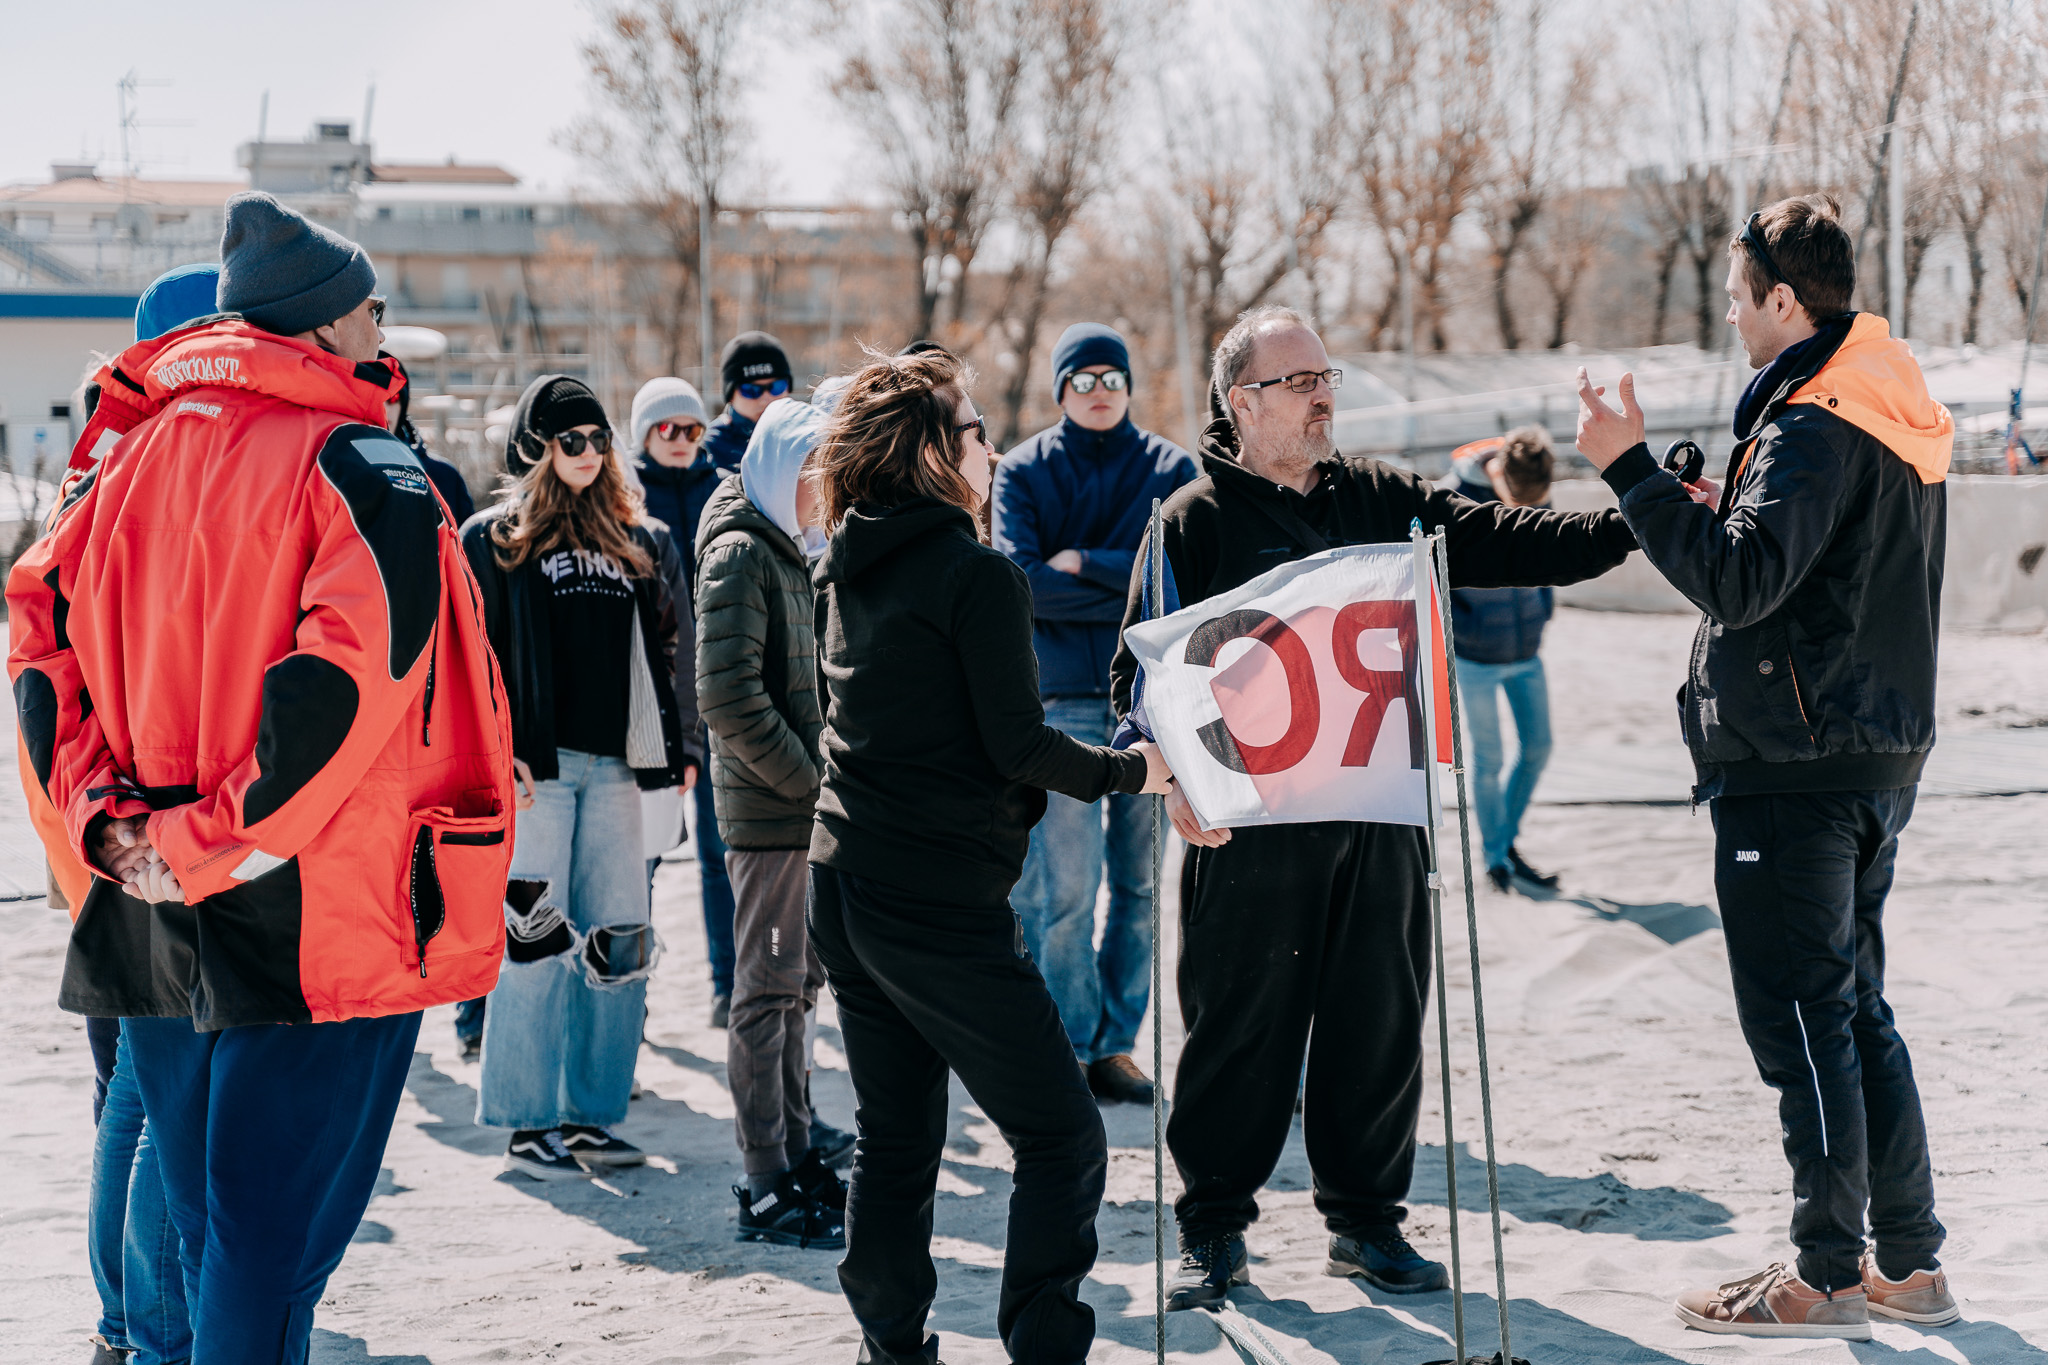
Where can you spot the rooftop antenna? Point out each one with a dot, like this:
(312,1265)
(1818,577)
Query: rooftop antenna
(131,118)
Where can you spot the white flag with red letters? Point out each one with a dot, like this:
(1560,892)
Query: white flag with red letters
(1300,695)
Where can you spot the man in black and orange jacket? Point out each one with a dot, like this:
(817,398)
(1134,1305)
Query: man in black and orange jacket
(253,682)
(1809,713)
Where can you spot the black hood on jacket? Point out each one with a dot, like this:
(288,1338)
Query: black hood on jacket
(871,534)
(544,390)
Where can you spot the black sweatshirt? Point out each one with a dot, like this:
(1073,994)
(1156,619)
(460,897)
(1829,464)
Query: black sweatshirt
(1231,525)
(937,754)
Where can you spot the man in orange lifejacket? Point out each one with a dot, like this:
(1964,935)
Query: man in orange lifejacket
(252,679)
(1810,713)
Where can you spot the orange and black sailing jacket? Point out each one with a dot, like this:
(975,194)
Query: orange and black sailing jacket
(252,620)
(1819,577)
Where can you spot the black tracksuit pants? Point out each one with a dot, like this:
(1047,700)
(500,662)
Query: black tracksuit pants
(1283,926)
(923,987)
(1802,880)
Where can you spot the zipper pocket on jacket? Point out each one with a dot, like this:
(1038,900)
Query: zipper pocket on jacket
(427,711)
(1798,700)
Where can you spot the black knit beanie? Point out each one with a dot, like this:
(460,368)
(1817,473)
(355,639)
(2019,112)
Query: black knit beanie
(752,358)
(551,405)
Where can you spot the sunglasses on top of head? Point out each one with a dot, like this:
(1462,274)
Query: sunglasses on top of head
(572,442)
(1082,381)
(775,387)
(679,431)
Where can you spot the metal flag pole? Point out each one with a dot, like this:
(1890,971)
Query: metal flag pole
(1500,1265)
(1423,610)
(1155,577)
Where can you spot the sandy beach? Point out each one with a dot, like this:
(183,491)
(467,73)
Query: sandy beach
(1639,1151)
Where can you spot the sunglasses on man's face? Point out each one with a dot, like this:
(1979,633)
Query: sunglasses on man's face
(776,387)
(376,302)
(979,426)
(1116,381)
(572,442)
(679,431)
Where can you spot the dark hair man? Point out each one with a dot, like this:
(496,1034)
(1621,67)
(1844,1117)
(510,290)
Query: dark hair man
(1071,506)
(1499,632)
(1324,923)
(249,675)
(1809,713)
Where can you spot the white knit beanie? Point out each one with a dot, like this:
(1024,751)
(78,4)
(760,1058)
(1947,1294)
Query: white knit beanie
(664,400)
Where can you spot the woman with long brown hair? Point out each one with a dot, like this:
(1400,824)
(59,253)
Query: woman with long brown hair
(576,600)
(937,761)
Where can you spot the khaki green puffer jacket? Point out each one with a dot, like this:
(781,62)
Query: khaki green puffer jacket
(757,683)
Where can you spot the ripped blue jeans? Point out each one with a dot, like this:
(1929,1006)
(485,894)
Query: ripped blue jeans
(563,1029)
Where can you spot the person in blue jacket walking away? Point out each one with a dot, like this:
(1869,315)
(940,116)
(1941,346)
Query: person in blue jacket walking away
(1071,507)
(1499,633)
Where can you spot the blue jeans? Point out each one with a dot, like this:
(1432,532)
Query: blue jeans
(269,1139)
(1101,994)
(1498,800)
(131,1241)
(718,902)
(563,1028)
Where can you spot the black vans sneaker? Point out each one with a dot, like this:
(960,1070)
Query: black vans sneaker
(788,1217)
(1382,1256)
(818,1181)
(1206,1272)
(539,1153)
(599,1147)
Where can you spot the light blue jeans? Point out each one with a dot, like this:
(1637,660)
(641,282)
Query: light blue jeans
(1101,993)
(131,1241)
(1500,800)
(562,1031)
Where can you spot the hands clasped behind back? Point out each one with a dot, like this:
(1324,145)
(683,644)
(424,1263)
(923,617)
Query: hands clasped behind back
(124,852)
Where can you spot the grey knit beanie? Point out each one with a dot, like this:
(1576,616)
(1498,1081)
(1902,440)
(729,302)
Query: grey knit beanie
(285,273)
(665,400)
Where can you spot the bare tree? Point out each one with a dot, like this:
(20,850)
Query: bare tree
(666,130)
(1069,109)
(1688,194)
(1255,188)
(936,87)
(1525,127)
(1411,78)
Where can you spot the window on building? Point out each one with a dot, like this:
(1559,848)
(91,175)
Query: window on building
(33,224)
(455,290)
(103,225)
(472,214)
(60,410)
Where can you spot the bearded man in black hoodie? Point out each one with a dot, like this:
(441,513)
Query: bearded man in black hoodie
(1325,923)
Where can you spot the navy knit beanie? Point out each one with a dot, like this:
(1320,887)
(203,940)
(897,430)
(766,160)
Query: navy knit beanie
(1085,344)
(285,273)
(751,358)
(176,298)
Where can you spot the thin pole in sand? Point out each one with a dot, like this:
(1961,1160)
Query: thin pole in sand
(1423,607)
(1156,579)
(1500,1265)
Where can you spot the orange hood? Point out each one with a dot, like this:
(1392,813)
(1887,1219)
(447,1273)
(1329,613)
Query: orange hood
(229,354)
(1873,383)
